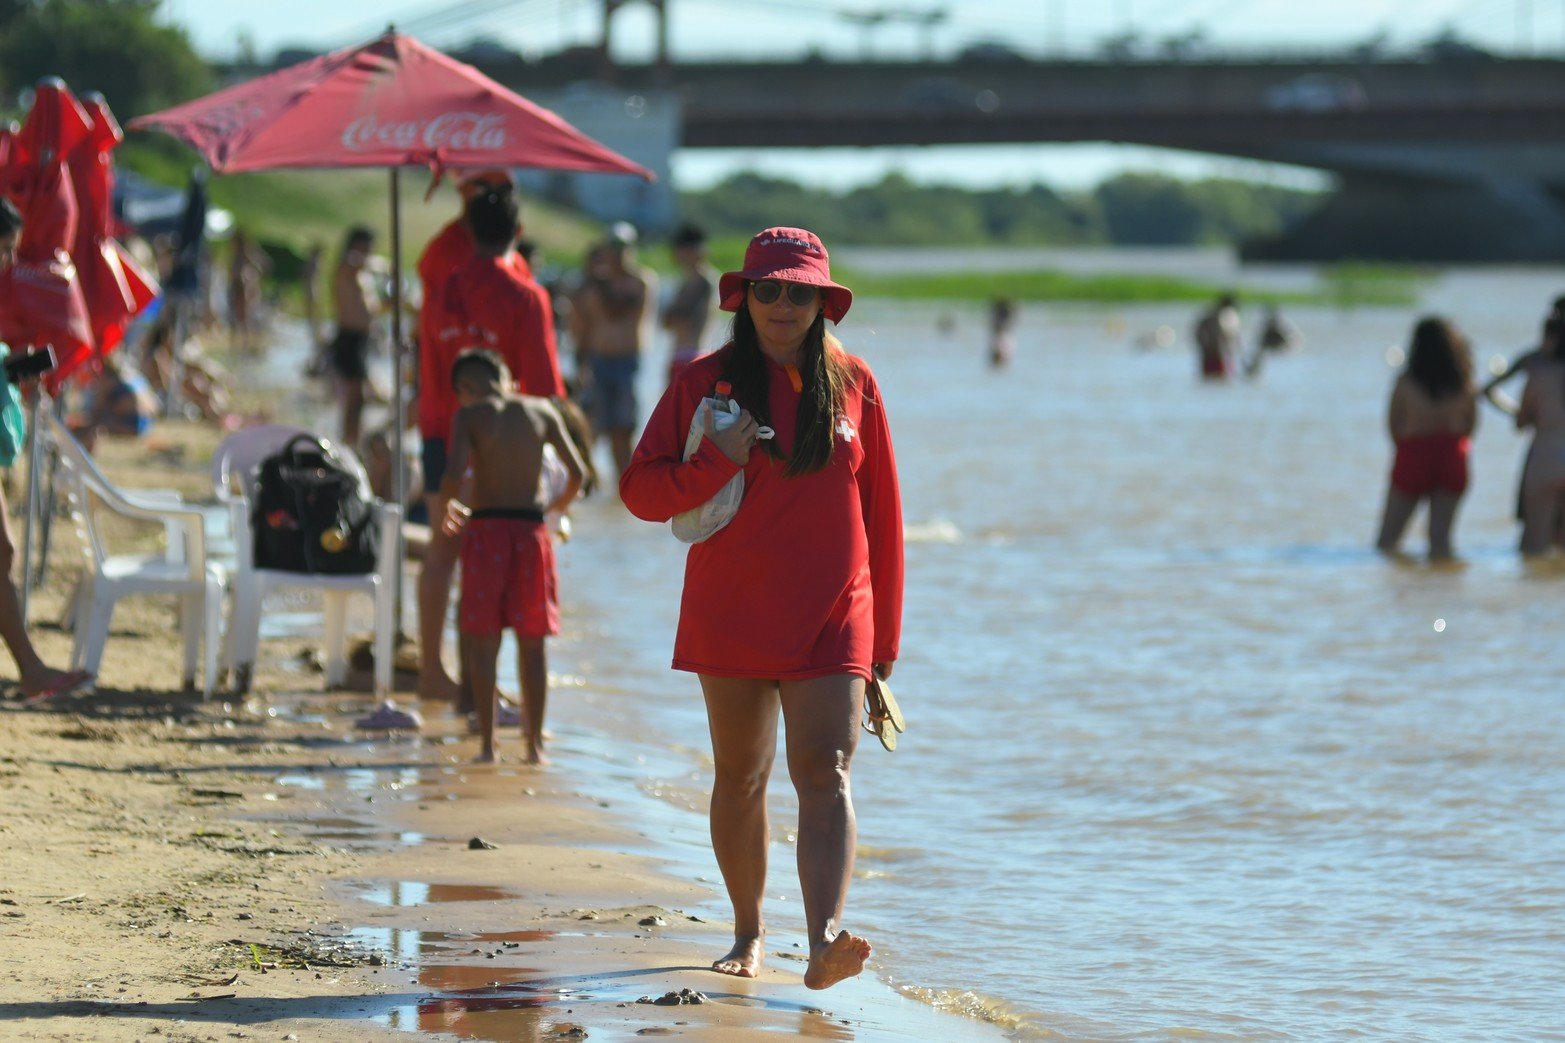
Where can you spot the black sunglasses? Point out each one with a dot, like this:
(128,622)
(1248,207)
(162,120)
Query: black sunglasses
(799,295)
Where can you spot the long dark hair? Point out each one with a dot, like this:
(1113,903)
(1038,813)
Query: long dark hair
(1439,361)
(822,371)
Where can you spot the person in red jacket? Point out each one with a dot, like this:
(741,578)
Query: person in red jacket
(798,599)
(489,302)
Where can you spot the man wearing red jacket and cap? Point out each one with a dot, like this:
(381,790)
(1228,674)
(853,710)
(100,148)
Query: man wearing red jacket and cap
(478,293)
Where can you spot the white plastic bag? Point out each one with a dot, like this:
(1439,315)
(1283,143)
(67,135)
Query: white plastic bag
(701,522)
(552,480)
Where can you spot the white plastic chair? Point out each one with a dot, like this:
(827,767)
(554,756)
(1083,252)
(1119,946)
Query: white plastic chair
(234,476)
(181,568)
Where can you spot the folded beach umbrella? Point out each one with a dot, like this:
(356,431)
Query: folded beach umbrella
(394,103)
(40,296)
(114,285)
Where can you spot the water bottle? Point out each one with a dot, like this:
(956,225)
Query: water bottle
(720,397)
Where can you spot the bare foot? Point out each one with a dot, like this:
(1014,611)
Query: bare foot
(743,960)
(842,958)
(487,756)
(46,683)
(535,756)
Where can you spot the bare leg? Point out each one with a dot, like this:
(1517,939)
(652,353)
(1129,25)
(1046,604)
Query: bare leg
(1540,506)
(35,678)
(619,438)
(434,598)
(483,652)
(352,391)
(822,719)
(533,667)
(1399,511)
(1442,518)
(742,715)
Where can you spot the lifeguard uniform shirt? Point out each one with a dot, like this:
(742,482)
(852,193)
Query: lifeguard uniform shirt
(447,253)
(489,305)
(806,580)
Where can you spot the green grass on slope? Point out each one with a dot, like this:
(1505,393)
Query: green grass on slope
(300,208)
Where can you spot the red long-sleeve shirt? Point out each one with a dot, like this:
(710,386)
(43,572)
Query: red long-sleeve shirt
(806,580)
(489,305)
(448,252)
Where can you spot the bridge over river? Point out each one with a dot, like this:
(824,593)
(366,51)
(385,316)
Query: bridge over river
(1456,159)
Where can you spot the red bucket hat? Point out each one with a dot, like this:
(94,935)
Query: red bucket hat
(789,255)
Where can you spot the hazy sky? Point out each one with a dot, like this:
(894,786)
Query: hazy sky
(705,28)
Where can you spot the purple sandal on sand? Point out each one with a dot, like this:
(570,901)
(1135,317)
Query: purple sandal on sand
(388,717)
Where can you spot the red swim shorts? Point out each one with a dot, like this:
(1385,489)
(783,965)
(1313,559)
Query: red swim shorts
(1425,463)
(508,578)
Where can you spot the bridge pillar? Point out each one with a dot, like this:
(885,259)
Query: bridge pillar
(1389,218)
(612,7)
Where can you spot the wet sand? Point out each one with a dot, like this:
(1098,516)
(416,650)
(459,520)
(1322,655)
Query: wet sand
(182,870)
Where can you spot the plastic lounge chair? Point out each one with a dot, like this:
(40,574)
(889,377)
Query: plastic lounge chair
(181,568)
(235,467)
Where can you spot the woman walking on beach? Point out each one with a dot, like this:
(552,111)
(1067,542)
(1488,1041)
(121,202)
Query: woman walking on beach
(798,600)
(1433,411)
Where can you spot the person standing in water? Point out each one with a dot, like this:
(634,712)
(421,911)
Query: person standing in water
(1217,335)
(1277,335)
(1002,332)
(797,602)
(1542,409)
(1433,411)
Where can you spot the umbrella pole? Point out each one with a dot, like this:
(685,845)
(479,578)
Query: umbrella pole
(398,483)
(34,453)
(51,470)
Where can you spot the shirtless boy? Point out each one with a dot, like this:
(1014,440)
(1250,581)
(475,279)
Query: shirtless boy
(354,302)
(508,577)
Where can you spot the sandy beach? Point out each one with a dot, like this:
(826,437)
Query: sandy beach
(181,870)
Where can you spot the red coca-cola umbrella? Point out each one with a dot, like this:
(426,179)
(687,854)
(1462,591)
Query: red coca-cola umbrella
(392,103)
(40,296)
(114,285)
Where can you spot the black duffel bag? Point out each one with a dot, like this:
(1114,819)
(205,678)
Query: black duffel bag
(309,514)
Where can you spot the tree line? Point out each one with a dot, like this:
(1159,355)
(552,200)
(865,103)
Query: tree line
(1129,209)
(123,49)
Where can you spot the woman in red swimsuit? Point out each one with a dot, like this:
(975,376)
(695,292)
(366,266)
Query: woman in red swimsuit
(1432,415)
(793,604)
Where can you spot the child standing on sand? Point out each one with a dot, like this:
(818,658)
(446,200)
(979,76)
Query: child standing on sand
(508,577)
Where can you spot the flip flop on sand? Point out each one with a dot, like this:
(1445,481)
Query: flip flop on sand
(882,716)
(507,715)
(64,683)
(388,717)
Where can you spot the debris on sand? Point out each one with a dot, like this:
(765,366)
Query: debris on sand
(676,999)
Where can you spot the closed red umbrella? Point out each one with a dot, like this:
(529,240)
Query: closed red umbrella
(114,285)
(40,297)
